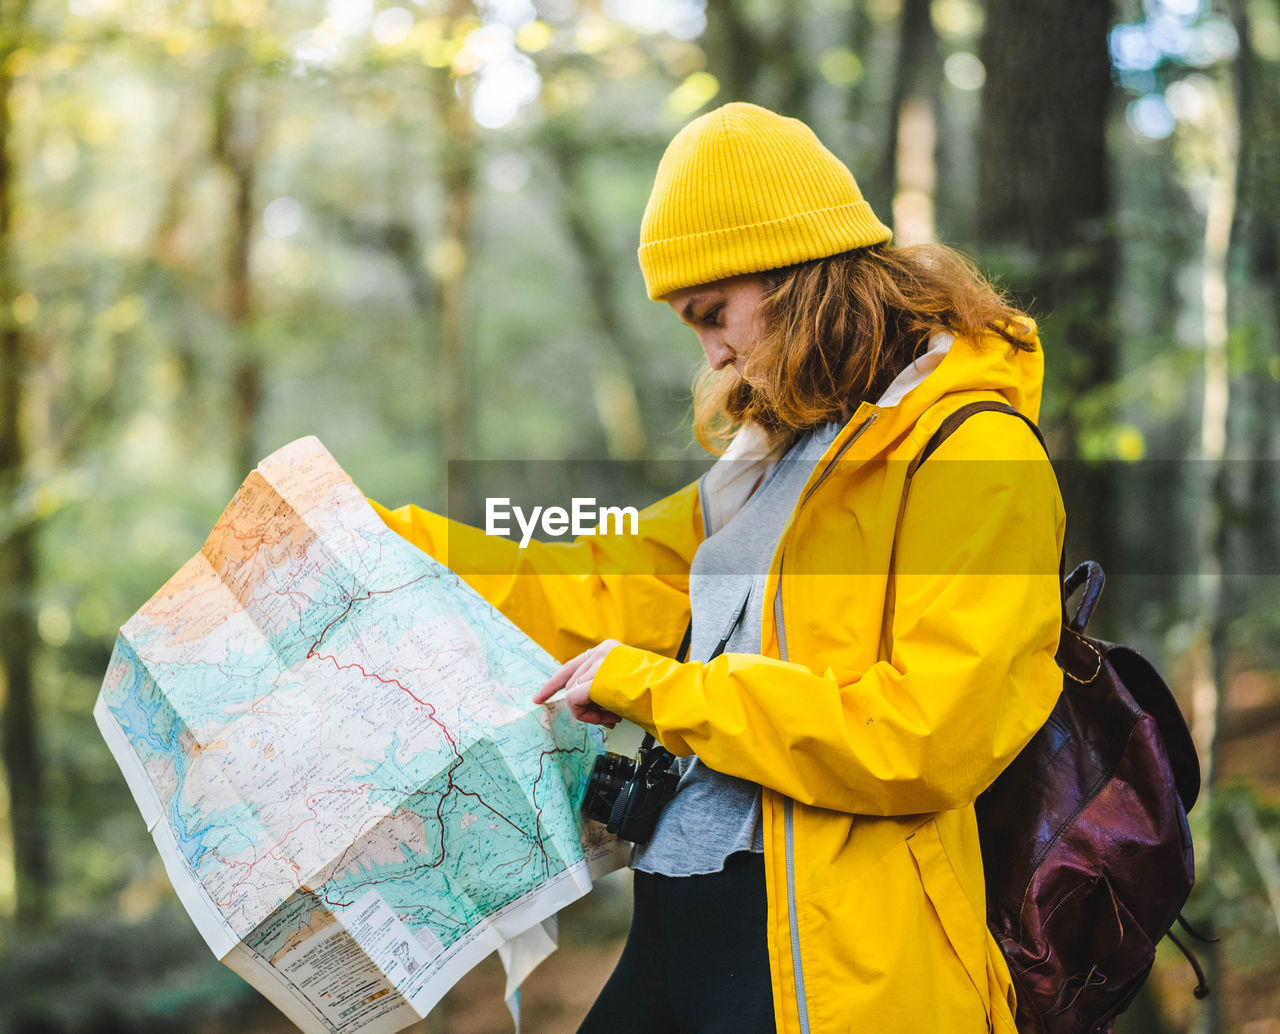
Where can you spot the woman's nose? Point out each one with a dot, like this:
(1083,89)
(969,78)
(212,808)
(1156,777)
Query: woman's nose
(719,355)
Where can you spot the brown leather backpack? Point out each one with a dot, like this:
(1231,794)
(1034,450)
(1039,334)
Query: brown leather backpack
(1085,844)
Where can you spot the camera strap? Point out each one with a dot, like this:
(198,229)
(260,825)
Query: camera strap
(682,655)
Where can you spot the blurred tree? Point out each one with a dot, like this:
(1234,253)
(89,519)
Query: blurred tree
(457,156)
(1257,238)
(1217,152)
(237,137)
(627,388)
(736,49)
(907,171)
(21,745)
(1044,207)
(759,61)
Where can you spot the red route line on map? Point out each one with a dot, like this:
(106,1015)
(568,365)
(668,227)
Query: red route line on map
(453,746)
(270,851)
(452,787)
(430,709)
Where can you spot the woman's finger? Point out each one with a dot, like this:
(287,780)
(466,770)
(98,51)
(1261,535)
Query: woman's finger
(561,678)
(552,686)
(576,675)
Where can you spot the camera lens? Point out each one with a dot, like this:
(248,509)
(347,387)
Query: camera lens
(609,775)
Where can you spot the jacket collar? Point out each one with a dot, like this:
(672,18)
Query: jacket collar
(949,365)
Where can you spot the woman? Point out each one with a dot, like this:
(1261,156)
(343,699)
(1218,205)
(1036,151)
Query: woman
(884,653)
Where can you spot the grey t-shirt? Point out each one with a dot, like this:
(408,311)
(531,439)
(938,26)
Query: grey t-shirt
(714,815)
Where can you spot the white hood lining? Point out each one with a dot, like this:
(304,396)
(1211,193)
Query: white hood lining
(748,458)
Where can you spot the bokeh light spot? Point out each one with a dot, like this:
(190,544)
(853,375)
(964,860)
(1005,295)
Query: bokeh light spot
(54,624)
(533,37)
(956,19)
(351,17)
(392,26)
(840,66)
(592,35)
(503,89)
(695,92)
(93,616)
(25,307)
(683,19)
(282,217)
(1130,445)
(964,71)
(446,258)
(1149,116)
(507,172)
(1191,99)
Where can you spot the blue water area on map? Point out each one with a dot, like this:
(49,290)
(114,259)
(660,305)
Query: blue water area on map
(521,660)
(227,834)
(148,720)
(390,778)
(144,715)
(205,694)
(190,841)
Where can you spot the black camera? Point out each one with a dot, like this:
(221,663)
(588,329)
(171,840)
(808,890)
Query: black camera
(627,794)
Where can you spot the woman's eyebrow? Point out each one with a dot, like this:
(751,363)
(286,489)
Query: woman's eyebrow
(687,308)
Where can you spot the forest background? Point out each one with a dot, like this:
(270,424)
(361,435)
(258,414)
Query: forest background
(410,229)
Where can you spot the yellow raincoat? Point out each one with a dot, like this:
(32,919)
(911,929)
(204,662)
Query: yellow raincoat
(896,681)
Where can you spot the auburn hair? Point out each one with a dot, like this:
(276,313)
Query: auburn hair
(837,330)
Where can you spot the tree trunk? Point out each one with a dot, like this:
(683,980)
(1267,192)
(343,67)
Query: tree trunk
(452,101)
(789,52)
(733,49)
(1044,202)
(621,397)
(1256,237)
(860,43)
(906,173)
(1218,594)
(235,144)
(459,183)
(20,743)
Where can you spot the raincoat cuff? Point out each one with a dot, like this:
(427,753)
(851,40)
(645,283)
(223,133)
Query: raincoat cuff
(622,682)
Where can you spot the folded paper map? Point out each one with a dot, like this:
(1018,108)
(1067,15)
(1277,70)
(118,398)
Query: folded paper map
(330,738)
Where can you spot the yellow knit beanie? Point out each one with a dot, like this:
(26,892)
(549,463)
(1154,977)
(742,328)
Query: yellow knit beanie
(742,190)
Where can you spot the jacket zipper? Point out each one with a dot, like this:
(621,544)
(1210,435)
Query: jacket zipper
(788,822)
(797,964)
(836,459)
(797,968)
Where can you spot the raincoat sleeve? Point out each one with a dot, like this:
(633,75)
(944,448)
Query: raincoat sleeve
(966,679)
(568,596)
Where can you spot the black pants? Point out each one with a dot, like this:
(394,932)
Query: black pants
(696,960)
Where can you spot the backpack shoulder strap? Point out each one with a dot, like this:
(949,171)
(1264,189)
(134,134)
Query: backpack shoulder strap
(946,429)
(949,425)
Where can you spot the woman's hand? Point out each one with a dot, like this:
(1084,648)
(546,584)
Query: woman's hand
(576,677)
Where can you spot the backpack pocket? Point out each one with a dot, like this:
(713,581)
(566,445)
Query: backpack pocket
(1106,941)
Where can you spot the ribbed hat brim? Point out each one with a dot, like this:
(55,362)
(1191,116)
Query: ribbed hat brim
(702,258)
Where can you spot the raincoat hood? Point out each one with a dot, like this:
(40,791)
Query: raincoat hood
(951,364)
